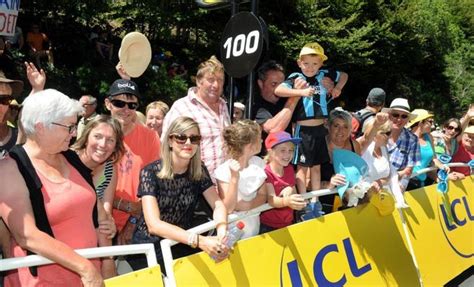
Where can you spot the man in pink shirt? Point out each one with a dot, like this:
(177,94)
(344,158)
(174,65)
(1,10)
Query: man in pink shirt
(142,146)
(205,105)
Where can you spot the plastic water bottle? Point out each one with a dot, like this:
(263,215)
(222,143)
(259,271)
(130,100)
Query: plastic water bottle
(233,235)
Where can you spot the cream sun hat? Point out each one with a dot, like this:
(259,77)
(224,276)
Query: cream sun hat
(135,54)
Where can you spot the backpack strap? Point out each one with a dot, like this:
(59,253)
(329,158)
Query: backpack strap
(34,185)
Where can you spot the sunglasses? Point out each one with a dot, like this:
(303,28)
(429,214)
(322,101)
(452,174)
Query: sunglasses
(453,128)
(182,139)
(387,133)
(5,100)
(121,104)
(396,115)
(71,129)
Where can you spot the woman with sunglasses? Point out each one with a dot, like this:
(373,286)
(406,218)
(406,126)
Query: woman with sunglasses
(169,190)
(48,202)
(446,143)
(421,127)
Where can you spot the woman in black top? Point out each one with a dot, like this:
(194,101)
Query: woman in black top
(169,190)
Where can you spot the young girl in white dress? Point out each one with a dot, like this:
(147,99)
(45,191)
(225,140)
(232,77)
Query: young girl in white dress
(241,178)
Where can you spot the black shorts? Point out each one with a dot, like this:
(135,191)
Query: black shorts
(312,149)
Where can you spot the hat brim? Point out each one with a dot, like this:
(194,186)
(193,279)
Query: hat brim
(469,130)
(293,140)
(135,54)
(417,120)
(16,85)
(323,57)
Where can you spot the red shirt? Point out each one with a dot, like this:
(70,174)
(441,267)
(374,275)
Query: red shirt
(462,155)
(279,217)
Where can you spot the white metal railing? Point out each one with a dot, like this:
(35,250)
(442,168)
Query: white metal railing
(428,169)
(36,260)
(149,249)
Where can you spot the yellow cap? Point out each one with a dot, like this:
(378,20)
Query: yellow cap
(313,49)
(384,202)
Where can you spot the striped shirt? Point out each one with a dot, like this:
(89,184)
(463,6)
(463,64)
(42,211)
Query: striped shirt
(211,125)
(105,179)
(406,151)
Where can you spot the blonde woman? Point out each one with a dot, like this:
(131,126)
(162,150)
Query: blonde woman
(169,189)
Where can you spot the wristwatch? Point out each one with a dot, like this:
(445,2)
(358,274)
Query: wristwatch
(132,220)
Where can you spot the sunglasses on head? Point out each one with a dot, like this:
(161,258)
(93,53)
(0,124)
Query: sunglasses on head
(397,115)
(121,104)
(5,100)
(182,139)
(453,128)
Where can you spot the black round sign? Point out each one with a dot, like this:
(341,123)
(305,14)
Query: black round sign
(241,44)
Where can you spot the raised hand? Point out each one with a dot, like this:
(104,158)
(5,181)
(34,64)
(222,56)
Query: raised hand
(36,78)
(121,71)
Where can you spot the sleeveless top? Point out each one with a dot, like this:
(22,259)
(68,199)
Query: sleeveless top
(427,153)
(378,167)
(68,206)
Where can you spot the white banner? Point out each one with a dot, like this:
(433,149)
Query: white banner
(8,15)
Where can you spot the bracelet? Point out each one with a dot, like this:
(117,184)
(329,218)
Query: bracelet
(119,202)
(193,240)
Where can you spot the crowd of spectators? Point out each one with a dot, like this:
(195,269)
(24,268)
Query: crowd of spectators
(126,182)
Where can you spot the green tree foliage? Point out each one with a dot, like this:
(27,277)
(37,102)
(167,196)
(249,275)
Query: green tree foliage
(419,49)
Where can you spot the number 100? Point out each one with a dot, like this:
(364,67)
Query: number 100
(241,43)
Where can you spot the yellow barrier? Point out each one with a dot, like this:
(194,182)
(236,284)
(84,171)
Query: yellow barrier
(146,277)
(442,234)
(353,247)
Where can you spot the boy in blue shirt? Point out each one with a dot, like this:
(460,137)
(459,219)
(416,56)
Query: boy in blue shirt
(311,111)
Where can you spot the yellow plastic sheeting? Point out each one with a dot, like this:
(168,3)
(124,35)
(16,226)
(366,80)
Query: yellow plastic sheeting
(441,228)
(353,247)
(143,278)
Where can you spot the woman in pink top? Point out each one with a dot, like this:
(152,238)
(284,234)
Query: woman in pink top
(68,219)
